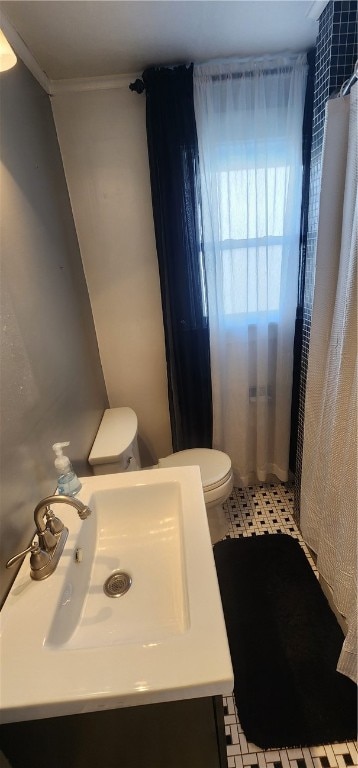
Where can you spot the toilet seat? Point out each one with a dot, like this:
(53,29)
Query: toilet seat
(215,466)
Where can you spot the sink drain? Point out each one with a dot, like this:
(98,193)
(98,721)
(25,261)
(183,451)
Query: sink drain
(117,584)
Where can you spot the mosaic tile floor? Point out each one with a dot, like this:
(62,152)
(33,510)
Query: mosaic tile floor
(257,511)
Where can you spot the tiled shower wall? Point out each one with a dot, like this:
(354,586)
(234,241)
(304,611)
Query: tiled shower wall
(336,53)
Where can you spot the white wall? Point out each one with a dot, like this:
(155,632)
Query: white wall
(102,137)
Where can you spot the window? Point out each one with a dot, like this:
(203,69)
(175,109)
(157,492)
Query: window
(250,206)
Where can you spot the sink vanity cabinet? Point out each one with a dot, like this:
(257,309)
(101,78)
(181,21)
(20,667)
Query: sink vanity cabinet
(177,734)
(88,681)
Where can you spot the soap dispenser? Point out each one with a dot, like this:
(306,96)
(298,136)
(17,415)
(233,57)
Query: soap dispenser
(68,483)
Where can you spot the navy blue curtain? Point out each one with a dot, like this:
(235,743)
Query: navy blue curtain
(173,160)
(306,162)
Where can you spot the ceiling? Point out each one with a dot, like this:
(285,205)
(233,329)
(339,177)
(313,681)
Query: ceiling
(94,38)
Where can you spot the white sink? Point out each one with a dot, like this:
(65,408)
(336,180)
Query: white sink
(67,647)
(138,531)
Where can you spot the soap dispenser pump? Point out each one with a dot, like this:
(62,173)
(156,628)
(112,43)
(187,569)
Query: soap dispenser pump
(68,483)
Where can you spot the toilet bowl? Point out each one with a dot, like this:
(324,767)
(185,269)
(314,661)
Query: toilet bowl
(217,480)
(115,449)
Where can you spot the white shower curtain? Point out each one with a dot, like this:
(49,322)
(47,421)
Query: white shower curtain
(249,116)
(329,472)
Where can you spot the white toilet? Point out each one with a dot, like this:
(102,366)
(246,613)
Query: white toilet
(217,480)
(115,449)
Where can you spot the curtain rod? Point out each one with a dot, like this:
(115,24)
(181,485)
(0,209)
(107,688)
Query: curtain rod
(138,86)
(250,73)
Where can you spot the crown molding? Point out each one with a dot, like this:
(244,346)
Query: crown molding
(23,52)
(57,87)
(81,84)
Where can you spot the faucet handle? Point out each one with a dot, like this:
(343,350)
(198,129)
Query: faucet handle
(34,548)
(39,558)
(53,523)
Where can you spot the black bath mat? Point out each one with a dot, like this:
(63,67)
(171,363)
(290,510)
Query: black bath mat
(285,643)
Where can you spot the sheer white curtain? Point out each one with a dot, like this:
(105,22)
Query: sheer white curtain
(249,115)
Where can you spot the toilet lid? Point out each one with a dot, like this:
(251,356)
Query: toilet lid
(116,432)
(214,465)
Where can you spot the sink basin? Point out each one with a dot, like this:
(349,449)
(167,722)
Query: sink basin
(138,531)
(70,644)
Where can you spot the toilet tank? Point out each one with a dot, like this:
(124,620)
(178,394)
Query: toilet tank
(115,448)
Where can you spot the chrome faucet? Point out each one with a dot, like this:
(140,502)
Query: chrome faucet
(52,535)
(42,509)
